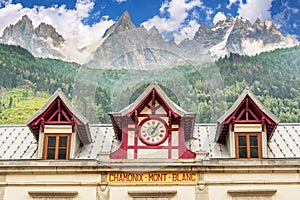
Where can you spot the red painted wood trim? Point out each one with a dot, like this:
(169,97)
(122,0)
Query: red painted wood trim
(153,102)
(253,114)
(152,147)
(135,140)
(232,124)
(52,116)
(43,124)
(65,115)
(247,108)
(153,115)
(60,123)
(263,124)
(241,114)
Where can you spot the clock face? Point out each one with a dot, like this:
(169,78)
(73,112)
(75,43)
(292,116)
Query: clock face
(153,131)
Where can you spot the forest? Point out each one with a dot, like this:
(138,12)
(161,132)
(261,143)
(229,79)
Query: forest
(208,89)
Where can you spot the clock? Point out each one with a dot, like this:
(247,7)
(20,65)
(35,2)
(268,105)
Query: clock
(153,131)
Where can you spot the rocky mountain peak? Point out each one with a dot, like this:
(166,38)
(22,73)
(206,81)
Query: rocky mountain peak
(154,29)
(258,23)
(202,26)
(229,19)
(41,41)
(23,26)
(239,35)
(47,31)
(123,24)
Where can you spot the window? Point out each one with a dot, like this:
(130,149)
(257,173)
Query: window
(56,147)
(248,145)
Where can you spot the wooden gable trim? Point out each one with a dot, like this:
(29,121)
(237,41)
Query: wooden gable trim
(151,97)
(247,112)
(144,108)
(59,111)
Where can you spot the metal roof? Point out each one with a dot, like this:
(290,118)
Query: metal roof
(18,143)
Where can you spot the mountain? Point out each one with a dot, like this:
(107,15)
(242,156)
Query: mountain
(42,41)
(123,24)
(125,46)
(241,37)
(128,47)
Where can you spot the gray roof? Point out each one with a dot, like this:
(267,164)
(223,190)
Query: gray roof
(19,143)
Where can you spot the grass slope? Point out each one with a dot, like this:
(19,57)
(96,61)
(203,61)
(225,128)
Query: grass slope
(19,104)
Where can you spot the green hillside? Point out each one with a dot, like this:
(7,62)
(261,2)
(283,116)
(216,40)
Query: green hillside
(18,104)
(207,88)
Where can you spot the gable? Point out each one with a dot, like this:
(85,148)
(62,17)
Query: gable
(246,110)
(58,110)
(154,127)
(153,99)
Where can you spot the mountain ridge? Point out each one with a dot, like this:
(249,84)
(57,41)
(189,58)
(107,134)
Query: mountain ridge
(41,41)
(125,46)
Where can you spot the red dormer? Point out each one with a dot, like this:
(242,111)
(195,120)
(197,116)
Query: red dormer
(248,124)
(153,127)
(58,121)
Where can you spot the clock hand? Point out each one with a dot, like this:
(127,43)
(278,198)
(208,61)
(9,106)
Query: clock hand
(153,130)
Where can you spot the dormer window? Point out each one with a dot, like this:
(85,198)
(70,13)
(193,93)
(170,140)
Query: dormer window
(153,127)
(248,145)
(57,147)
(246,128)
(59,128)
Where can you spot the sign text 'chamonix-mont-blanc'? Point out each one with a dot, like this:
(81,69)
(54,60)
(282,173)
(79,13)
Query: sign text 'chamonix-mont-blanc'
(153,178)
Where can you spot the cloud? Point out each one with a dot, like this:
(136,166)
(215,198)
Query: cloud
(173,15)
(121,1)
(231,2)
(5,2)
(186,32)
(254,9)
(284,17)
(287,19)
(67,22)
(209,12)
(219,17)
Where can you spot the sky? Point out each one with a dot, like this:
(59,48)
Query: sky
(87,20)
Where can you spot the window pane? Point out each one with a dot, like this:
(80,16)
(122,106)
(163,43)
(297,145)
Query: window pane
(51,141)
(242,152)
(254,152)
(50,153)
(242,140)
(63,141)
(62,154)
(253,141)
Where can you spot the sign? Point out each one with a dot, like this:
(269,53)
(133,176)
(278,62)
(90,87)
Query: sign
(153,178)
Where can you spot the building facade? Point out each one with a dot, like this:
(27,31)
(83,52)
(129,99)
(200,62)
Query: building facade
(152,150)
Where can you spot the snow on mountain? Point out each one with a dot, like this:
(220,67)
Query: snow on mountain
(241,37)
(43,41)
(124,45)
